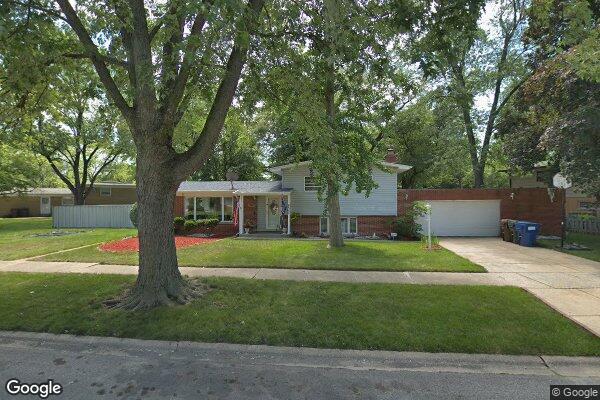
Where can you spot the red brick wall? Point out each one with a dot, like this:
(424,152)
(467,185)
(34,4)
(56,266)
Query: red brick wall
(306,224)
(530,204)
(178,206)
(367,225)
(379,225)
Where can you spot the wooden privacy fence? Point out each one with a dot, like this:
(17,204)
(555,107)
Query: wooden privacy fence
(583,224)
(104,216)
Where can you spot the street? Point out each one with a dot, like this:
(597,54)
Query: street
(109,368)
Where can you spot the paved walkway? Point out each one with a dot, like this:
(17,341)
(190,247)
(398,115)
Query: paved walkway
(433,278)
(567,283)
(110,368)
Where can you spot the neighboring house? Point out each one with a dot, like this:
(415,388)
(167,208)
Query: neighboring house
(543,177)
(291,204)
(39,202)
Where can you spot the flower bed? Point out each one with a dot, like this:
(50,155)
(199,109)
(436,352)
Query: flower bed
(133,244)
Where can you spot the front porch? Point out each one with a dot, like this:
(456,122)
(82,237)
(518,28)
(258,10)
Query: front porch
(267,214)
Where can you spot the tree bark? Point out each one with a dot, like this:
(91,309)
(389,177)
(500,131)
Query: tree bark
(159,281)
(336,239)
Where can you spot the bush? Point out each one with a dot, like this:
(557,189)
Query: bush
(406,225)
(178,223)
(190,225)
(207,223)
(133,214)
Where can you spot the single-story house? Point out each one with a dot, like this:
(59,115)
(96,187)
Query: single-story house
(38,202)
(291,204)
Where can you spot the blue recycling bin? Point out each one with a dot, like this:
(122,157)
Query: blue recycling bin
(528,232)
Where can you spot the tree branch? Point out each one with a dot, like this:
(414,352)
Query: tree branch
(197,154)
(93,53)
(105,58)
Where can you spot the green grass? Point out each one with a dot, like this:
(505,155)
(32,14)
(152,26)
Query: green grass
(591,241)
(471,319)
(308,254)
(17,238)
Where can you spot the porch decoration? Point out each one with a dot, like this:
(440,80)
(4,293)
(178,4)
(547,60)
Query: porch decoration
(274,207)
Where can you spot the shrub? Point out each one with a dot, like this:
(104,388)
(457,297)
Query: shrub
(178,223)
(133,214)
(190,225)
(406,225)
(207,223)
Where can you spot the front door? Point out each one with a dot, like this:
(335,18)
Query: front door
(45,206)
(273,213)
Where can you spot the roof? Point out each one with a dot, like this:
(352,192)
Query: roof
(114,184)
(45,192)
(278,169)
(241,187)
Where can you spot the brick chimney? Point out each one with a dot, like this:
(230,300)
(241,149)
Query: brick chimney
(391,156)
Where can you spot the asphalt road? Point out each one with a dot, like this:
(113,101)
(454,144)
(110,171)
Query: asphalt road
(108,368)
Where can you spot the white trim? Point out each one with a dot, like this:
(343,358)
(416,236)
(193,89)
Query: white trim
(241,215)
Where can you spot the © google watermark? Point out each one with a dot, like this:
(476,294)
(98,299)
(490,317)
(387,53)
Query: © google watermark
(574,392)
(44,390)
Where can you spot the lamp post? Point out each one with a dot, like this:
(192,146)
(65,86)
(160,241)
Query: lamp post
(428,206)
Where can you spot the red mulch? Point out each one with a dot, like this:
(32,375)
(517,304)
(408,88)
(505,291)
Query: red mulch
(133,244)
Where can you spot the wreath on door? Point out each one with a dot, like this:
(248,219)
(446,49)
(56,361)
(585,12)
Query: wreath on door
(274,207)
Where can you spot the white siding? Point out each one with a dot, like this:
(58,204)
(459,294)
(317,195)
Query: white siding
(260,213)
(381,201)
(105,216)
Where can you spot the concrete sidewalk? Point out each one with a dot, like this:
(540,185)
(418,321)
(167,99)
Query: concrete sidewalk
(111,368)
(432,278)
(569,284)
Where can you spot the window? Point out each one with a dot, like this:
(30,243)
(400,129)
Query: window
(227,209)
(105,191)
(310,184)
(349,225)
(324,225)
(209,207)
(67,201)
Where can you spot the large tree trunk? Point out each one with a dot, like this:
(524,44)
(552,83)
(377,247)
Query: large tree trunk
(78,196)
(478,175)
(335,221)
(159,281)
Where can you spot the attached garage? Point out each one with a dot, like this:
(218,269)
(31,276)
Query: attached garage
(463,217)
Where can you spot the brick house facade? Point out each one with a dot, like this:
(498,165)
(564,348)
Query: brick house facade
(531,204)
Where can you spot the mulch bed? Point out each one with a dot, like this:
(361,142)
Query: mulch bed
(133,244)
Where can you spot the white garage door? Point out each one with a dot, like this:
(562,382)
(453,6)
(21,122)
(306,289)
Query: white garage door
(464,218)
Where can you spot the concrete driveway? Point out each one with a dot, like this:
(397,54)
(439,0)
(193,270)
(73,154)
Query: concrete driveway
(567,283)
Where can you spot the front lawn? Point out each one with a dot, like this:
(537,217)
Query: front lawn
(591,241)
(307,254)
(469,319)
(20,237)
